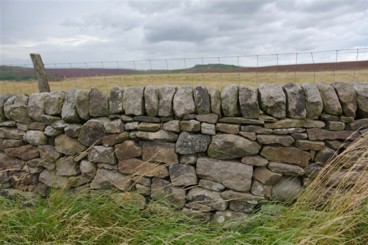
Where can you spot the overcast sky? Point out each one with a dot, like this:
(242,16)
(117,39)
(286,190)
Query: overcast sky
(92,30)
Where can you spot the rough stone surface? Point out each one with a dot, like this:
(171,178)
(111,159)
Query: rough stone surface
(162,189)
(51,179)
(24,152)
(248,101)
(15,109)
(241,120)
(128,149)
(229,146)
(114,127)
(228,128)
(68,146)
(101,154)
(138,167)
(208,128)
(202,100)
(287,189)
(285,169)
(34,137)
(133,101)
(307,145)
(211,185)
(313,101)
(98,103)
(159,152)
(10,163)
(335,126)
(286,154)
(361,90)
(234,175)
(215,96)
(266,176)
(254,161)
(347,97)
(295,123)
(106,179)
(82,103)
(54,103)
(172,126)
(3,99)
(230,101)
(295,101)
(73,130)
(69,112)
(183,102)
(323,156)
(208,118)
(165,104)
(207,197)
(331,103)
(11,133)
(188,159)
(273,100)
(91,132)
(48,153)
(36,106)
(188,143)
(116,101)
(190,126)
(323,134)
(275,140)
(159,135)
(182,175)
(358,124)
(150,127)
(230,195)
(66,167)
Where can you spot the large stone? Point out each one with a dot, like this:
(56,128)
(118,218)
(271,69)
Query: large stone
(159,135)
(107,179)
(228,128)
(286,154)
(295,123)
(331,103)
(82,103)
(98,103)
(208,118)
(116,101)
(162,189)
(48,153)
(165,104)
(3,99)
(230,101)
(128,149)
(11,133)
(10,163)
(323,134)
(36,106)
(68,146)
(114,127)
(266,176)
(6,143)
(313,101)
(325,155)
(188,143)
(285,169)
(151,101)
(182,175)
(24,152)
(361,90)
(227,146)
(15,109)
(172,126)
(190,126)
(272,100)
(358,124)
(208,128)
(295,107)
(102,154)
(69,111)
(347,97)
(159,152)
(307,145)
(206,197)
(133,101)
(50,178)
(215,101)
(233,175)
(34,137)
(287,189)
(66,167)
(284,140)
(248,100)
(91,132)
(183,102)
(202,100)
(138,167)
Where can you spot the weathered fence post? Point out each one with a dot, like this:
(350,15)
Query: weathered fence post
(43,84)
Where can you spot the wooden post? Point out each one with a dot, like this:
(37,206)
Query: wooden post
(43,84)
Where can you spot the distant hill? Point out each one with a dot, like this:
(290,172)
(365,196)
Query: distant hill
(212,68)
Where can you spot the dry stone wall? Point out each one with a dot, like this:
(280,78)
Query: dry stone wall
(204,150)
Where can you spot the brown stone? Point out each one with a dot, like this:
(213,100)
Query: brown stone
(68,146)
(285,169)
(307,145)
(25,152)
(275,140)
(322,134)
(107,179)
(151,127)
(228,128)
(296,123)
(128,149)
(159,152)
(266,176)
(182,175)
(208,118)
(138,167)
(9,163)
(286,154)
(113,139)
(254,161)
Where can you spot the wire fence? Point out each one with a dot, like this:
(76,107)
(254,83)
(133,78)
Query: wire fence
(343,65)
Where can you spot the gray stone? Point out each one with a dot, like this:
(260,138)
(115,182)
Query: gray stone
(50,178)
(275,140)
(131,126)
(345,119)
(162,189)
(150,127)
(323,156)
(91,132)
(211,185)
(230,101)
(106,179)
(287,189)
(312,170)
(10,124)
(347,97)
(248,135)
(68,146)
(313,101)
(36,106)
(202,100)
(183,102)
(188,143)
(172,126)
(102,154)
(48,153)
(273,100)
(116,101)
(114,127)
(129,199)
(133,101)
(188,159)
(208,118)
(138,167)
(3,99)
(283,131)
(358,124)
(233,175)
(230,195)
(128,149)
(66,167)
(98,103)
(286,154)
(87,168)
(241,206)
(230,218)
(182,175)
(165,104)
(215,101)
(361,90)
(147,119)
(241,120)
(227,146)
(151,101)
(323,134)
(69,111)
(190,126)
(159,135)
(335,126)
(286,169)
(9,163)
(159,152)
(49,120)
(34,137)
(256,129)
(54,103)
(259,189)
(296,123)
(207,197)
(299,136)
(228,128)
(82,103)
(266,176)
(59,125)
(254,161)
(248,100)
(24,152)
(36,126)
(307,145)
(73,130)
(11,133)
(113,139)
(15,109)
(208,128)
(295,107)
(331,103)
(6,143)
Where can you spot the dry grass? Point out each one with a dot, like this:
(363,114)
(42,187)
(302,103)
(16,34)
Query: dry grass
(210,80)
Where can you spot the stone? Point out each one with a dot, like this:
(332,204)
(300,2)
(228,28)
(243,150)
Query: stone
(68,146)
(48,153)
(328,117)
(73,130)
(129,199)
(275,140)
(162,189)
(228,128)
(233,175)
(190,126)
(259,189)
(159,135)
(286,131)
(248,135)
(98,103)
(241,120)
(331,103)
(172,126)
(267,118)
(128,149)
(114,127)
(11,124)
(347,97)
(34,137)
(9,163)
(50,178)
(215,97)
(254,161)
(208,118)
(116,101)
(272,100)
(126,118)
(286,154)
(312,170)
(207,197)
(286,169)
(345,119)
(11,133)
(323,134)
(358,124)
(287,189)
(295,107)
(159,152)
(138,167)
(91,132)
(69,111)
(113,139)
(248,101)
(15,109)
(335,126)
(36,106)
(266,176)
(49,120)
(313,101)
(188,159)
(59,125)
(230,218)
(202,100)
(336,145)
(133,101)
(211,185)
(243,207)
(54,103)
(208,128)
(188,143)
(299,136)
(3,99)
(227,146)
(66,167)
(87,168)
(307,145)
(147,119)
(183,102)
(107,179)
(230,195)
(11,143)
(36,126)
(361,90)
(151,101)
(151,127)
(24,152)
(256,129)
(230,101)
(295,123)
(131,126)
(102,154)
(182,175)
(82,103)
(165,104)
(323,156)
